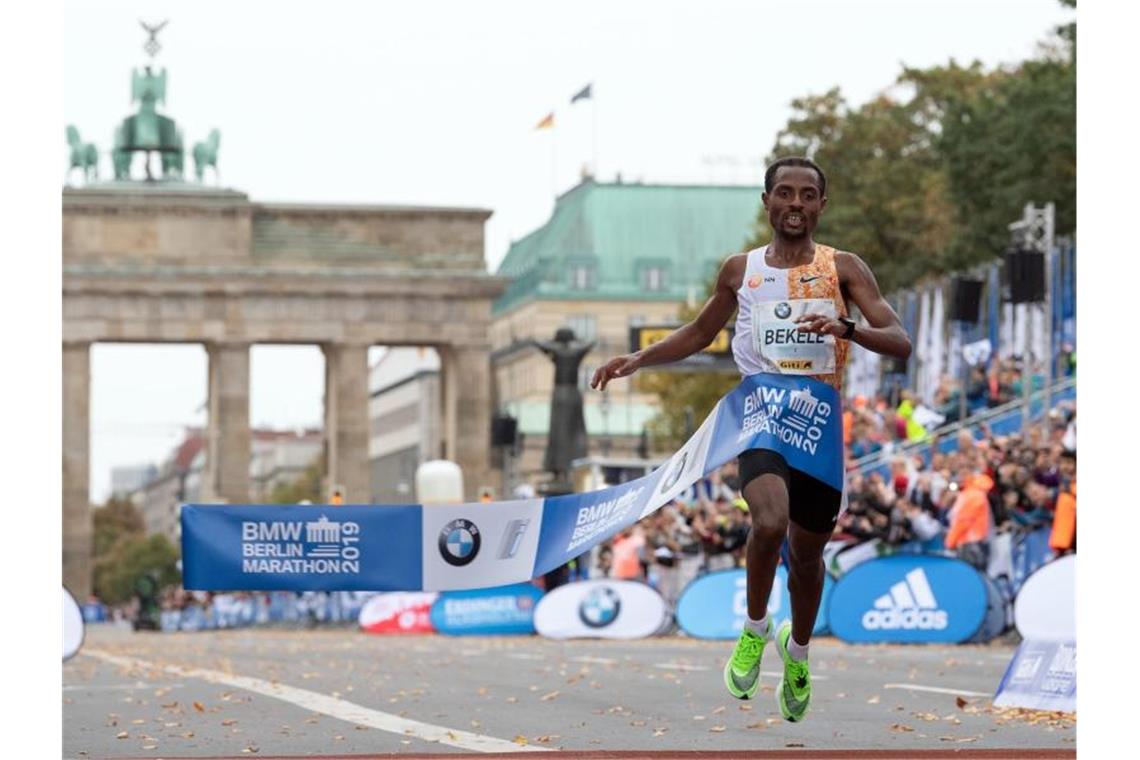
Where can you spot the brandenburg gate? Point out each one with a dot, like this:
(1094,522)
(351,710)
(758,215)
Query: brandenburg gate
(166,260)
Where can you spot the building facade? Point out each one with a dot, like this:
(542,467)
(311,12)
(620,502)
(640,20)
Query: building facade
(611,257)
(404,420)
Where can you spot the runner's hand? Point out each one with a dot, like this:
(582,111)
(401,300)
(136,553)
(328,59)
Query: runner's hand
(820,324)
(619,366)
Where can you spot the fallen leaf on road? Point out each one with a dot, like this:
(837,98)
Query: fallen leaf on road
(793,744)
(925,716)
(757,724)
(947,739)
(150,746)
(968,739)
(122,735)
(550,696)
(659,731)
(873,700)
(637,722)
(251,750)
(960,702)
(188,735)
(521,740)
(717,729)
(475,724)
(744,708)
(199,707)
(512,700)
(169,706)
(452,735)
(698,717)
(231,721)
(138,721)
(546,738)
(900,727)
(718,710)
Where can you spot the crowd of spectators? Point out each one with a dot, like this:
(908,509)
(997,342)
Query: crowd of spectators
(954,502)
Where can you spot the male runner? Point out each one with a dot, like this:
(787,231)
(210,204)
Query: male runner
(791,275)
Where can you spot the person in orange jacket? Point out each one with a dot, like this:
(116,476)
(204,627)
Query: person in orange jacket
(970,521)
(1063,539)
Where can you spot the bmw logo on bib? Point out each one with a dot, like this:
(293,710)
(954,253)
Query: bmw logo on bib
(783,310)
(459,542)
(600,607)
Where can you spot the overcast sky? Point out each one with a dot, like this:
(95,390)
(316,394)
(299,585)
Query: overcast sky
(435,103)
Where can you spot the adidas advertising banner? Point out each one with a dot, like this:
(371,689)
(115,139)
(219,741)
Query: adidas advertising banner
(908,598)
(1046,605)
(463,546)
(601,610)
(1041,676)
(715,606)
(398,612)
(486,611)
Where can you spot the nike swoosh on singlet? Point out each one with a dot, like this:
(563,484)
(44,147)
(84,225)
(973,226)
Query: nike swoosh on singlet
(806,280)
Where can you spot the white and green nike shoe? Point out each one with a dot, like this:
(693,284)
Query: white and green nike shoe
(742,671)
(793,695)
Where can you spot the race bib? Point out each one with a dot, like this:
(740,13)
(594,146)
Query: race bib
(790,352)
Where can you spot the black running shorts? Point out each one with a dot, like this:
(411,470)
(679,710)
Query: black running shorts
(812,504)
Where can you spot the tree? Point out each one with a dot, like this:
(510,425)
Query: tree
(116,519)
(306,486)
(132,557)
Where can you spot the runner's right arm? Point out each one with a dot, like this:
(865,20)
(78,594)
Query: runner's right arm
(687,340)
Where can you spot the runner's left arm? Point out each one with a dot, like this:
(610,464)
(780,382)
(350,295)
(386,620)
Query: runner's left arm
(883,333)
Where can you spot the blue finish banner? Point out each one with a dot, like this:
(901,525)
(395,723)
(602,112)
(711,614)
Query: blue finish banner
(1041,676)
(908,598)
(462,546)
(486,611)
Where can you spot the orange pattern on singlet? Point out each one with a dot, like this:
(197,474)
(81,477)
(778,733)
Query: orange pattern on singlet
(824,285)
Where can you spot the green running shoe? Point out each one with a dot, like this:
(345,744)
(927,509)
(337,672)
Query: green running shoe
(742,671)
(794,692)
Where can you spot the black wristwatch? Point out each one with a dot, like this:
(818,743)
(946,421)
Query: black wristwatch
(850,331)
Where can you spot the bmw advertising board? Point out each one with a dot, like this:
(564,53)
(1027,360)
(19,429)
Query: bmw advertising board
(908,598)
(715,606)
(486,611)
(468,547)
(603,609)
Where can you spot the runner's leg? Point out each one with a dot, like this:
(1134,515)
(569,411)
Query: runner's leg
(767,497)
(805,578)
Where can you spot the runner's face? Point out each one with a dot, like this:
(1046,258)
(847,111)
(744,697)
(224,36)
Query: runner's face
(795,203)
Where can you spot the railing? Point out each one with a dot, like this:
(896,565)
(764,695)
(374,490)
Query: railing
(999,416)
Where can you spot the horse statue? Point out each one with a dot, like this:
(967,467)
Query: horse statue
(206,154)
(83,156)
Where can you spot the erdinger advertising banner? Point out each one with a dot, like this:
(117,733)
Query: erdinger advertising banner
(1041,676)
(489,611)
(1045,608)
(715,606)
(906,599)
(438,548)
(398,612)
(600,609)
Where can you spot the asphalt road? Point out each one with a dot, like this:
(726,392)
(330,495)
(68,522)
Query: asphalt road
(250,693)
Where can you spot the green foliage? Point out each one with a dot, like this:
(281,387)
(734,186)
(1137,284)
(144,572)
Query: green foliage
(131,557)
(306,486)
(927,179)
(113,521)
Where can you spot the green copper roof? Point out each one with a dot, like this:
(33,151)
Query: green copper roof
(619,230)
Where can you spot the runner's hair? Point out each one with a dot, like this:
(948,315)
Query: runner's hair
(807,163)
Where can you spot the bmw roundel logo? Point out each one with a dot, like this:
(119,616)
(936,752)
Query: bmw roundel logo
(672,478)
(600,607)
(783,311)
(459,542)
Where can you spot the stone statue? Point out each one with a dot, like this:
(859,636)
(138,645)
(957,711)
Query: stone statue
(566,440)
(148,130)
(84,156)
(206,154)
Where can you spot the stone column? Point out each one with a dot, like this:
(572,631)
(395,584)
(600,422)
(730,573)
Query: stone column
(227,434)
(76,445)
(466,425)
(346,420)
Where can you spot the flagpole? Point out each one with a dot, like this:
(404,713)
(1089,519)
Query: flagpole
(594,116)
(553,165)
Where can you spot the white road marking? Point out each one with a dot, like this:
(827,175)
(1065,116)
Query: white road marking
(678,666)
(123,687)
(331,706)
(936,689)
(594,660)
